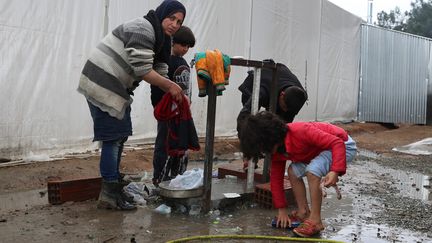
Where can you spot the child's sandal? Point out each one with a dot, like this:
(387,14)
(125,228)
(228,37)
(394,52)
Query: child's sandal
(307,229)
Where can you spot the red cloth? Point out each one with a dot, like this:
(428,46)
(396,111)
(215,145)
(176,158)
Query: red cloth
(305,141)
(168,109)
(182,134)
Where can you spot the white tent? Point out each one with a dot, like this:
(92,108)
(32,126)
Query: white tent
(44,45)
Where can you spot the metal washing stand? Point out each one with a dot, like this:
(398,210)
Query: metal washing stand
(210,125)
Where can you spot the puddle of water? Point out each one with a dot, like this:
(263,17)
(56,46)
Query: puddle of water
(83,222)
(258,222)
(413,185)
(346,220)
(22,200)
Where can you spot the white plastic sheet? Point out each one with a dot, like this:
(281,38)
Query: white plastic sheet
(44,45)
(422,147)
(339,57)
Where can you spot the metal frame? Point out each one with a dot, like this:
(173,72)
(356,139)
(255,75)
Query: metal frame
(210,126)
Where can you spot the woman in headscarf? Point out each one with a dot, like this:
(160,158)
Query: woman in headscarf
(136,50)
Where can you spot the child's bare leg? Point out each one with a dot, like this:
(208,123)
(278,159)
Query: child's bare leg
(299,191)
(316,198)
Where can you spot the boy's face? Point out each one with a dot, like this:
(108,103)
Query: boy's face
(179,49)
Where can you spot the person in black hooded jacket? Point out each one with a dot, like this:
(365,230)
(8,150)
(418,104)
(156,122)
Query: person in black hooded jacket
(291,95)
(290,92)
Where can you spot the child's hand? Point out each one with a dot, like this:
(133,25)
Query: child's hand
(330,179)
(283,219)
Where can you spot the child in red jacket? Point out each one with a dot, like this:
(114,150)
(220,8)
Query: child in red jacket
(317,150)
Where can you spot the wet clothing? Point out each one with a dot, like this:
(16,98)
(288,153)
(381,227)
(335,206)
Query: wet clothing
(286,79)
(176,134)
(179,72)
(182,134)
(304,142)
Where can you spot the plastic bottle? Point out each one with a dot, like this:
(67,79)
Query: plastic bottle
(294,224)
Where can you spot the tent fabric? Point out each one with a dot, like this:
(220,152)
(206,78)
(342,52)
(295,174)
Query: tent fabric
(45,44)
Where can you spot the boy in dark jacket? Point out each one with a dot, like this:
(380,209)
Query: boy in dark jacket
(179,72)
(291,95)
(317,150)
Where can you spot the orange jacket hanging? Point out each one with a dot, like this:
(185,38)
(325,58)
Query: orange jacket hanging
(212,67)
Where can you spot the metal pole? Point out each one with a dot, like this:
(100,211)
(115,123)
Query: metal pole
(254,110)
(208,161)
(273,102)
(273,98)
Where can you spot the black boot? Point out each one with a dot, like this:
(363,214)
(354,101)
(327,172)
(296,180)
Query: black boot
(111,197)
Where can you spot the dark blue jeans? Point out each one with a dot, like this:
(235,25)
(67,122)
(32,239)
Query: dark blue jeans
(110,159)
(108,128)
(113,133)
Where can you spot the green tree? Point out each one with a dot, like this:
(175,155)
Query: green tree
(420,18)
(417,21)
(394,20)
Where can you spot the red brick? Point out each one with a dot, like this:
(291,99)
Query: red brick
(73,190)
(237,170)
(263,196)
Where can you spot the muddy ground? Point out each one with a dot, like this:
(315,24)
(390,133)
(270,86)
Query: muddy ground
(386,198)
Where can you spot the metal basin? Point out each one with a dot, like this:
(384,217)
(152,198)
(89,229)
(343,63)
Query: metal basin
(169,192)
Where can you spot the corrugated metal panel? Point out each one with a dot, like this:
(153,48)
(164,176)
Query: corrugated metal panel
(394,76)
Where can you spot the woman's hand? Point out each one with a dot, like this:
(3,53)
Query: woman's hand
(165,84)
(175,91)
(283,219)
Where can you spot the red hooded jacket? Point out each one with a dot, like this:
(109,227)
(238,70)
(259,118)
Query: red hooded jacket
(303,142)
